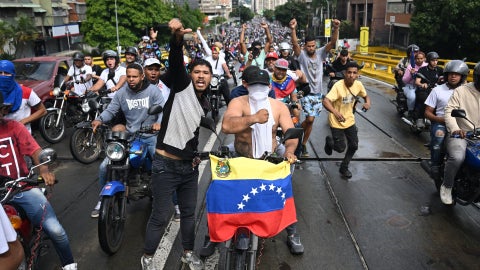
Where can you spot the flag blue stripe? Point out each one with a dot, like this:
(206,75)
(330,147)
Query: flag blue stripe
(252,196)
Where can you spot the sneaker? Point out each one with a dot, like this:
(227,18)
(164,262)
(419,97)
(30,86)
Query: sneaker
(446,194)
(96,210)
(194,263)
(328,145)
(147,263)
(304,151)
(345,172)
(72,266)
(208,248)
(293,242)
(420,124)
(176,217)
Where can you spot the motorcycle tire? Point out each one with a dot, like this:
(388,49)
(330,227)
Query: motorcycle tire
(48,130)
(111,223)
(215,110)
(85,145)
(234,76)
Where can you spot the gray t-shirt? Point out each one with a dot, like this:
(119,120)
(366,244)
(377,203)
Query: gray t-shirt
(313,69)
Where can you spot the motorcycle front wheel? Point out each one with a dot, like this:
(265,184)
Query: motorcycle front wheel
(86,145)
(111,222)
(51,132)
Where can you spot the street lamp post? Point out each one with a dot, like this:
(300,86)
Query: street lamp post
(119,49)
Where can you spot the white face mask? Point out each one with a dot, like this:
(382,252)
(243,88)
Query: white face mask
(258,92)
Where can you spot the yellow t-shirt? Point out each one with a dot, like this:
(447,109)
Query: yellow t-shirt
(342,100)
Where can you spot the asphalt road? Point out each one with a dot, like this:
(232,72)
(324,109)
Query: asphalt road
(375,220)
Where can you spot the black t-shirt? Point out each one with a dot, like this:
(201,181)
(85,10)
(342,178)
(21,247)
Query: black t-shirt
(431,74)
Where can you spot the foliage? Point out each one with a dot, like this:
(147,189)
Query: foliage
(269,15)
(244,13)
(347,30)
(449,27)
(21,32)
(290,10)
(135,18)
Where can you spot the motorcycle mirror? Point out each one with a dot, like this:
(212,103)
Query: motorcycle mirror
(155,109)
(208,123)
(292,133)
(47,155)
(459,113)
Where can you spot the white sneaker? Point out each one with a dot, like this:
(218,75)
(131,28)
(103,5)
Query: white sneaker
(147,263)
(72,266)
(446,194)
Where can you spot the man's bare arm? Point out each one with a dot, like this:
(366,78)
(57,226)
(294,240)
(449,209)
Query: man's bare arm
(333,41)
(293,28)
(234,121)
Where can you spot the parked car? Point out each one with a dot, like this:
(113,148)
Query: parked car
(42,74)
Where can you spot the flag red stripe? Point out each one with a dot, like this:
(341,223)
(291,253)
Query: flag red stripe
(222,226)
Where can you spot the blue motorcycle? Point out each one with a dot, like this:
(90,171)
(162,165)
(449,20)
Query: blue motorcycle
(466,188)
(128,178)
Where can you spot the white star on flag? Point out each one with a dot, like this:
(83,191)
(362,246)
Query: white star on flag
(279,190)
(246,198)
(240,205)
(272,187)
(263,187)
(254,191)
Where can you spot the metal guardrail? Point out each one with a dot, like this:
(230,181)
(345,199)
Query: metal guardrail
(381,65)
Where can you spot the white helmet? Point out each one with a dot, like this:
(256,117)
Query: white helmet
(284,46)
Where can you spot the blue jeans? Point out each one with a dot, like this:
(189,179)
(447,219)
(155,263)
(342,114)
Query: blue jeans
(437,137)
(409,91)
(168,176)
(102,170)
(33,202)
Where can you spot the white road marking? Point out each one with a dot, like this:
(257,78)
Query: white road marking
(171,232)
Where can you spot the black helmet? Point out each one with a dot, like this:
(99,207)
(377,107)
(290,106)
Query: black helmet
(412,47)
(78,56)
(476,75)
(432,56)
(132,50)
(110,54)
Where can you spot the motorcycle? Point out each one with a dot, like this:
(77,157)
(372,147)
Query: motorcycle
(401,103)
(337,77)
(466,187)
(31,237)
(66,112)
(215,95)
(86,145)
(231,67)
(240,250)
(128,178)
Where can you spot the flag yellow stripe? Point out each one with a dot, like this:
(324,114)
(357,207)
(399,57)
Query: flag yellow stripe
(247,168)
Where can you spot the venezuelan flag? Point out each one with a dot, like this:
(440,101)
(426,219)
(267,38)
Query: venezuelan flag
(249,193)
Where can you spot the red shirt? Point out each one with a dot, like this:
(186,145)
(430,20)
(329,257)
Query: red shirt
(15,143)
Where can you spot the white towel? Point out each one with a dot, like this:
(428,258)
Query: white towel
(261,133)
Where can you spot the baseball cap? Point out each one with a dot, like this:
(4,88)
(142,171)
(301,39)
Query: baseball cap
(145,38)
(151,61)
(259,76)
(281,63)
(344,52)
(272,55)
(7,66)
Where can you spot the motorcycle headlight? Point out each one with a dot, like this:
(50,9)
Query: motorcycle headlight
(85,107)
(115,151)
(214,82)
(56,91)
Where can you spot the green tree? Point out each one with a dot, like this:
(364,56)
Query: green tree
(290,10)
(244,13)
(6,34)
(269,15)
(134,18)
(449,27)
